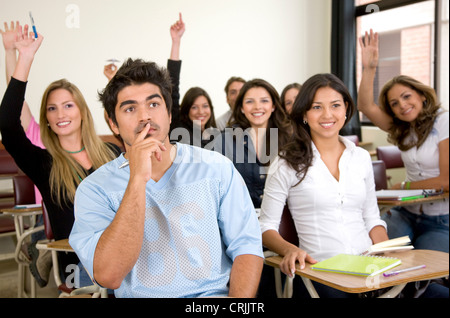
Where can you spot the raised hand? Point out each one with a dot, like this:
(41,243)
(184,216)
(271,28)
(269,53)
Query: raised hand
(369,49)
(9,35)
(110,70)
(177,29)
(27,47)
(25,42)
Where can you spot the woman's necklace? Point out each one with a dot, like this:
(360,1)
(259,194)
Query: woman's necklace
(74,151)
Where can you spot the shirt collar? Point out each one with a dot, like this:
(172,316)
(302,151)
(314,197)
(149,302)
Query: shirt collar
(349,145)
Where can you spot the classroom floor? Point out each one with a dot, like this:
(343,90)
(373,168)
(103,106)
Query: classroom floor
(9,279)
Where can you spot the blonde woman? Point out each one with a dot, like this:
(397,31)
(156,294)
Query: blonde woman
(73,149)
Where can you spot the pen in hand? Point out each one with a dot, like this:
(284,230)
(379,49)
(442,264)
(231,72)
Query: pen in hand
(33,26)
(123,165)
(393,273)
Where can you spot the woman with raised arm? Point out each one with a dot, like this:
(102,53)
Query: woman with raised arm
(73,149)
(410,113)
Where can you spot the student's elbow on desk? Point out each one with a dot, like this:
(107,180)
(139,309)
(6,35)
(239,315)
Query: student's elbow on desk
(107,277)
(109,271)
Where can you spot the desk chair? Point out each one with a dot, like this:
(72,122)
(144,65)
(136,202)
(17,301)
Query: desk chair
(391,156)
(379,172)
(353,138)
(288,232)
(64,247)
(8,168)
(24,194)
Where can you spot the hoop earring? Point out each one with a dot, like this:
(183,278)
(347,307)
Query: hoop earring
(305,122)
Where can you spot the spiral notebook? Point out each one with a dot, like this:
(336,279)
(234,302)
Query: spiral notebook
(357,264)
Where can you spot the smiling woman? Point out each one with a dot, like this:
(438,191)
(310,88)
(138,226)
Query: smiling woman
(411,114)
(259,127)
(73,149)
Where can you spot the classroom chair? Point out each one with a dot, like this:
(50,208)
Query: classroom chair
(391,156)
(62,246)
(289,233)
(379,172)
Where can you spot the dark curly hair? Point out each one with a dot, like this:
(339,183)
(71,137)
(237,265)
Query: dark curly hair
(134,72)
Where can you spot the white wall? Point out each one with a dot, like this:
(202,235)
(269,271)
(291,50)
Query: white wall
(281,41)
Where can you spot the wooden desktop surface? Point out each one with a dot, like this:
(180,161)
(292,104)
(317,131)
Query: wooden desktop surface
(432,198)
(437,266)
(61,245)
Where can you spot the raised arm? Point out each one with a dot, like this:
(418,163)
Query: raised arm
(9,39)
(27,46)
(366,104)
(174,66)
(176,32)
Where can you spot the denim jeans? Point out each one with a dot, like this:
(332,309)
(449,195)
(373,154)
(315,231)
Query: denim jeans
(425,232)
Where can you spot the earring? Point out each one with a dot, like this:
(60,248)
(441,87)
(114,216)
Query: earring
(305,122)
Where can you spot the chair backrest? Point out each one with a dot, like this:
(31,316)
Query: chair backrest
(287,228)
(379,172)
(391,156)
(353,138)
(47,226)
(7,164)
(23,190)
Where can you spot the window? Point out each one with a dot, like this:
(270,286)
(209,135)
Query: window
(407,41)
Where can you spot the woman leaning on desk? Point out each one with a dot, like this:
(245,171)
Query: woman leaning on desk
(414,120)
(73,149)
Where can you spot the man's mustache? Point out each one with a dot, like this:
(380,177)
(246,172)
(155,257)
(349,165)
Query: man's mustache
(141,126)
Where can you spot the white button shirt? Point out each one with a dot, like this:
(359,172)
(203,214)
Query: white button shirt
(423,163)
(330,216)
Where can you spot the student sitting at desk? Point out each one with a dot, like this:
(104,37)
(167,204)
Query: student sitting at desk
(325,179)
(164,220)
(414,120)
(73,150)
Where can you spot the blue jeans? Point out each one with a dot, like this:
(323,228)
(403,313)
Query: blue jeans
(426,232)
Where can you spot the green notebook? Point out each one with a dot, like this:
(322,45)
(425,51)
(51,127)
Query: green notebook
(357,264)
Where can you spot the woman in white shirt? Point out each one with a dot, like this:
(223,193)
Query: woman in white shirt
(414,120)
(326,181)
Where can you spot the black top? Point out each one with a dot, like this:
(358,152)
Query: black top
(35,162)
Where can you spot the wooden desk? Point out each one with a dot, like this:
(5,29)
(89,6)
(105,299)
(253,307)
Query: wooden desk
(437,266)
(59,246)
(386,205)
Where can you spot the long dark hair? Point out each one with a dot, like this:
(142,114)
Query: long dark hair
(278,119)
(188,100)
(298,151)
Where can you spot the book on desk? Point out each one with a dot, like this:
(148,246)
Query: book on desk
(404,195)
(367,264)
(398,244)
(360,265)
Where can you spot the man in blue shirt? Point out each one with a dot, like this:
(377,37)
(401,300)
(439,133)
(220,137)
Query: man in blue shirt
(163,220)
